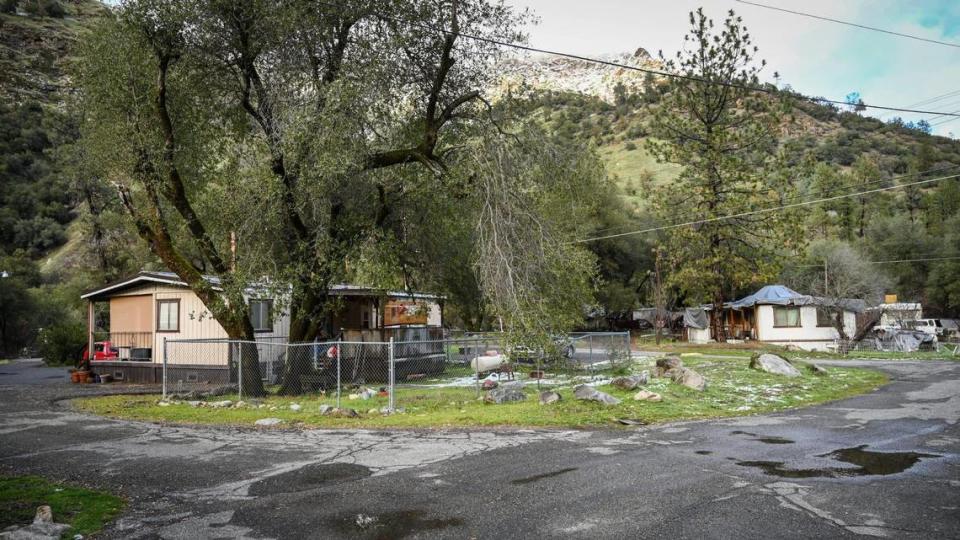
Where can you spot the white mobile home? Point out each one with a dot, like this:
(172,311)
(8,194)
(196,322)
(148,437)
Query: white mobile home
(781,316)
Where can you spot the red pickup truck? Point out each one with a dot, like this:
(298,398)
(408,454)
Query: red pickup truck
(102,350)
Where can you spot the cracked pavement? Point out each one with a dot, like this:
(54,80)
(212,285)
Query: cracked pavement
(883,464)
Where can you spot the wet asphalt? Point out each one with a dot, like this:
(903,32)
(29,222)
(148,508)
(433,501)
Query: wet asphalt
(884,464)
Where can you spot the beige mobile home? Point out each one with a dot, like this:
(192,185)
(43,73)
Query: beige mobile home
(138,314)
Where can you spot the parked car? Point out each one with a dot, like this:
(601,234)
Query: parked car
(102,350)
(562,343)
(928,326)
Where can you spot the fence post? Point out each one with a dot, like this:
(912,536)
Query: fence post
(392,375)
(339,346)
(476,364)
(590,356)
(240,371)
(164,382)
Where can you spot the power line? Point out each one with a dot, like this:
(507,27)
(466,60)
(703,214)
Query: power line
(763,210)
(668,74)
(933,99)
(915,260)
(865,27)
(825,192)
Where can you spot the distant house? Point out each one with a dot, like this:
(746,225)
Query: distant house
(781,316)
(144,310)
(896,314)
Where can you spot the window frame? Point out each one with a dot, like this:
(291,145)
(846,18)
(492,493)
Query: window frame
(269,321)
(791,308)
(830,316)
(161,301)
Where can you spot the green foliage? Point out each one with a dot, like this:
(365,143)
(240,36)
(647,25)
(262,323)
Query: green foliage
(35,202)
(726,139)
(62,343)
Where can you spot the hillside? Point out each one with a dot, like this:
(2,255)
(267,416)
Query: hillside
(611,106)
(36,45)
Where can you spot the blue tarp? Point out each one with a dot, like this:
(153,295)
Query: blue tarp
(781,295)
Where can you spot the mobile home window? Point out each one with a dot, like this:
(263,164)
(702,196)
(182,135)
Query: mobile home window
(825,317)
(261,315)
(786,317)
(168,315)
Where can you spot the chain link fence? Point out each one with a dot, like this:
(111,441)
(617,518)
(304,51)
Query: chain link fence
(384,375)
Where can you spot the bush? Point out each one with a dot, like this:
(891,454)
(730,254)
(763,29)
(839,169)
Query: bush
(8,6)
(62,343)
(630,146)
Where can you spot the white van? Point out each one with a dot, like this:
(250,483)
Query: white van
(927,326)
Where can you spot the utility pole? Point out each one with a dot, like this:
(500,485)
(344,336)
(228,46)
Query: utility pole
(825,282)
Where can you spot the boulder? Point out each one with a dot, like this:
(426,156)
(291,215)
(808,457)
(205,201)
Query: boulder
(586,392)
(42,528)
(194,403)
(645,395)
(344,413)
(505,394)
(666,365)
(163,403)
(689,378)
(549,397)
(631,382)
(240,404)
(326,409)
(220,404)
(268,422)
(44,515)
(817,369)
(295,407)
(772,363)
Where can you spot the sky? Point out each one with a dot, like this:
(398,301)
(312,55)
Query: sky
(815,57)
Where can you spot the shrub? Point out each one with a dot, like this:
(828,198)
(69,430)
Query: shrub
(630,146)
(62,343)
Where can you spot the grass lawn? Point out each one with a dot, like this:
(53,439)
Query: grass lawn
(733,389)
(85,510)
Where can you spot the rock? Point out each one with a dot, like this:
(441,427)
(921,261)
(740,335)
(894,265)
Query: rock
(689,378)
(549,397)
(373,411)
(240,404)
(367,393)
(295,407)
(505,394)
(489,385)
(772,363)
(586,392)
(44,515)
(163,403)
(631,422)
(221,404)
(817,369)
(195,403)
(645,395)
(345,413)
(353,396)
(666,365)
(631,382)
(268,422)
(326,409)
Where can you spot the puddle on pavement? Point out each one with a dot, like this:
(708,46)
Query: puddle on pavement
(308,477)
(868,463)
(774,440)
(392,525)
(537,477)
(703,452)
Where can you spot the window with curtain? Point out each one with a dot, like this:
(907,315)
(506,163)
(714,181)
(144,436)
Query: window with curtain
(786,317)
(261,315)
(825,317)
(168,315)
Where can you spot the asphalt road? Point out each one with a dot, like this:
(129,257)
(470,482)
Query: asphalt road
(883,464)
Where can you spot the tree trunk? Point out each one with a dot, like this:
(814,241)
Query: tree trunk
(304,327)
(249,360)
